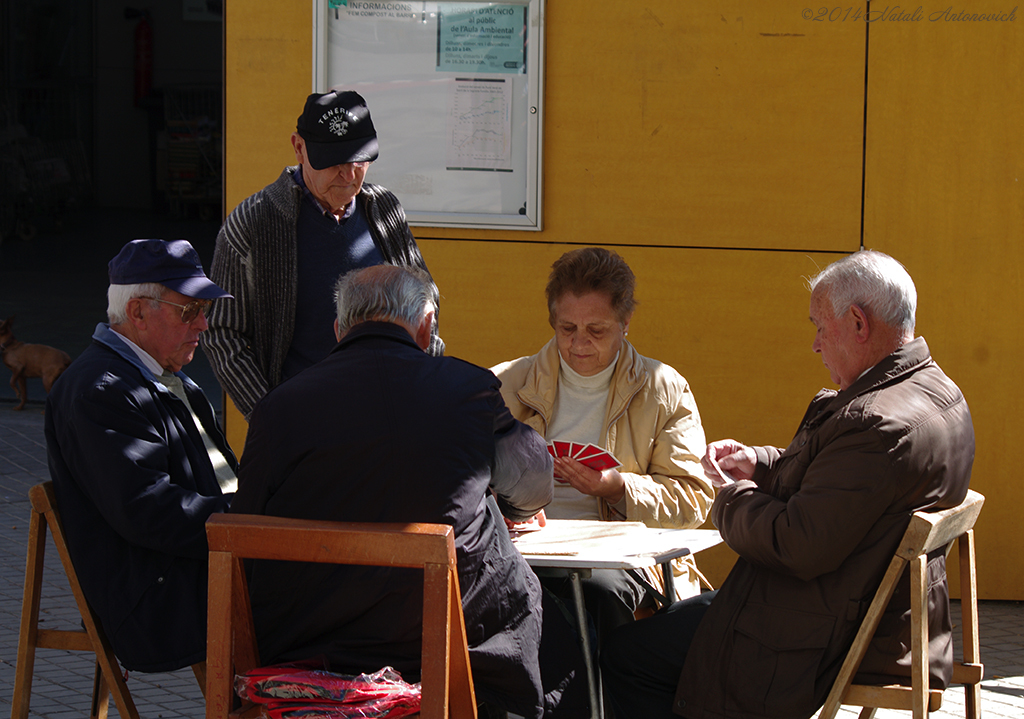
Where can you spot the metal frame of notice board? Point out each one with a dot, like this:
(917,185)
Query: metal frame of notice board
(455,91)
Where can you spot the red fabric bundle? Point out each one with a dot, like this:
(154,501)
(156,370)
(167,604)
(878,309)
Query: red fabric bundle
(299,691)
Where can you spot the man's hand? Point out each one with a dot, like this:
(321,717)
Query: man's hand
(539,519)
(736,460)
(609,484)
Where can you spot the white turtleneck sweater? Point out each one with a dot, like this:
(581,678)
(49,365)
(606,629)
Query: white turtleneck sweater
(578,416)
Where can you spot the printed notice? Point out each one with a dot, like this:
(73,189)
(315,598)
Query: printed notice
(479,128)
(374,9)
(481,38)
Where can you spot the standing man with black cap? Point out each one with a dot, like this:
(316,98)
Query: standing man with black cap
(282,249)
(138,462)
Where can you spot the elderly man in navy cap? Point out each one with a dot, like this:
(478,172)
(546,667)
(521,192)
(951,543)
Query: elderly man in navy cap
(282,249)
(138,461)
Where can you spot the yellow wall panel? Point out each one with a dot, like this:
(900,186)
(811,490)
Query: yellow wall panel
(945,194)
(734,124)
(727,339)
(673,130)
(268,73)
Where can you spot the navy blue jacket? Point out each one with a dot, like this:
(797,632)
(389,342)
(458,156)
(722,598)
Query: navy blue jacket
(380,431)
(134,487)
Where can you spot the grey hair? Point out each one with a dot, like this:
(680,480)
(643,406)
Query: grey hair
(875,282)
(119,295)
(385,293)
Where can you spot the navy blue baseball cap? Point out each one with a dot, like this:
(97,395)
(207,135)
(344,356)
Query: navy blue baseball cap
(337,129)
(171,263)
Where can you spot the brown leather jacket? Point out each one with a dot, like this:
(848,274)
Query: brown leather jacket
(815,530)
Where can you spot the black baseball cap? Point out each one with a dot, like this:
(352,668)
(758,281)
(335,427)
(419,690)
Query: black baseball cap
(337,129)
(174,264)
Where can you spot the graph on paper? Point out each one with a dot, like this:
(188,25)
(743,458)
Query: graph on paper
(479,127)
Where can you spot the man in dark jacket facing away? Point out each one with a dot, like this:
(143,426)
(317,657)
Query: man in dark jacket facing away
(138,461)
(380,431)
(815,525)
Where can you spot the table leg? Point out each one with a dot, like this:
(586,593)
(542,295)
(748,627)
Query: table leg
(670,581)
(596,710)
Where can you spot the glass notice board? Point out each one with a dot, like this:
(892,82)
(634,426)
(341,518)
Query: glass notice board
(455,91)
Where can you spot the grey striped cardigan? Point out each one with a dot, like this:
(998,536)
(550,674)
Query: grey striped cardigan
(256,261)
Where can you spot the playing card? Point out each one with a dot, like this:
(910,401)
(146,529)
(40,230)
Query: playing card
(575,448)
(588,451)
(725,475)
(551,450)
(524,528)
(562,448)
(601,462)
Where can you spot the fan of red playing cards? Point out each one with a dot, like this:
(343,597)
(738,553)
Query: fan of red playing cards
(589,454)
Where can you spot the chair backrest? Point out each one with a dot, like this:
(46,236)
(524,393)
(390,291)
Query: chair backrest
(108,675)
(930,530)
(447,684)
(927,532)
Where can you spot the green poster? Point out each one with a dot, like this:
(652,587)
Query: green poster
(481,38)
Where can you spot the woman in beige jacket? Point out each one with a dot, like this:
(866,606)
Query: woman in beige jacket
(589,385)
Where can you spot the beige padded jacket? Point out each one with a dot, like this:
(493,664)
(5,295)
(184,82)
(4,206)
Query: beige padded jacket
(651,426)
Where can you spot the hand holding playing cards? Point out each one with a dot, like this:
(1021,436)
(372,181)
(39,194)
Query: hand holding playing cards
(607,484)
(727,461)
(588,468)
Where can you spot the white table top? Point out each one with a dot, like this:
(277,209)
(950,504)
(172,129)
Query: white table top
(578,543)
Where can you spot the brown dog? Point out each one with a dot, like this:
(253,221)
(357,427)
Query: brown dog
(27,361)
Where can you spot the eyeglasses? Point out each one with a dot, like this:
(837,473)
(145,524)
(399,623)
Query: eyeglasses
(188,312)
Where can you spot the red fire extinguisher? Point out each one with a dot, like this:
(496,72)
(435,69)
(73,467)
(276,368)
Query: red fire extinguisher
(143,59)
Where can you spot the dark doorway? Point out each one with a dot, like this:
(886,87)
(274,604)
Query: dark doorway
(110,130)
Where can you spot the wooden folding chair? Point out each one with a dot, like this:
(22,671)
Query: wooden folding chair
(108,679)
(927,532)
(447,683)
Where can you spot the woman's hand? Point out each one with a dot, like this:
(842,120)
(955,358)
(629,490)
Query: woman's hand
(609,484)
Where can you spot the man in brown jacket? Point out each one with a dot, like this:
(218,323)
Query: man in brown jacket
(815,525)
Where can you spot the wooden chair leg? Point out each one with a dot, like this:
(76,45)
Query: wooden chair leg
(29,617)
(199,669)
(437,591)
(219,637)
(919,635)
(463,702)
(100,695)
(969,620)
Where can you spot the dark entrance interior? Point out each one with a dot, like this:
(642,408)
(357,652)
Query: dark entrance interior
(110,130)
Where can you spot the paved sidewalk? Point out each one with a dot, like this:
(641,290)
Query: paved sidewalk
(63,680)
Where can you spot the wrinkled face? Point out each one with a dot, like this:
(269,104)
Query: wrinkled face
(164,336)
(588,332)
(334,186)
(835,340)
